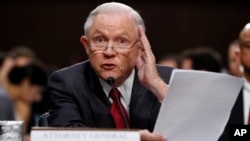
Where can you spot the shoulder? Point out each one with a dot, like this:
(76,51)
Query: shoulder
(73,70)
(72,76)
(165,72)
(3,95)
(161,68)
(5,100)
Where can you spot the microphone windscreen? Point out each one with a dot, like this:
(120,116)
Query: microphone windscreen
(110,81)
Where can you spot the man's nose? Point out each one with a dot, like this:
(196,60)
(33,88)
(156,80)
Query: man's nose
(109,50)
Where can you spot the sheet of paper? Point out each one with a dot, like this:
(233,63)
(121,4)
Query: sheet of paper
(197,105)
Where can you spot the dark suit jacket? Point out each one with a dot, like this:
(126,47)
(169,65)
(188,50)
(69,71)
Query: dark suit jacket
(78,100)
(236,117)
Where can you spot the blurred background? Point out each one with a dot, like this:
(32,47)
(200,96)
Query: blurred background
(53,28)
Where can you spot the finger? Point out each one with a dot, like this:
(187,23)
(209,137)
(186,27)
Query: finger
(144,40)
(138,62)
(147,136)
(147,56)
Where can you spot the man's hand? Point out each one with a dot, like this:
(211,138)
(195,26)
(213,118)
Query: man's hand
(147,71)
(147,136)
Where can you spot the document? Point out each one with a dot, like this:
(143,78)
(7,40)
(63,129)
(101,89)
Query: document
(197,105)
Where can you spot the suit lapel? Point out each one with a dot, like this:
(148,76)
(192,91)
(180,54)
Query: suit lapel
(141,106)
(237,116)
(99,102)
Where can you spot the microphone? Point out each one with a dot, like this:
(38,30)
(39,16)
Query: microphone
(111,81)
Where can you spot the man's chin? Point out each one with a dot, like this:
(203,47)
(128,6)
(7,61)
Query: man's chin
(105,76)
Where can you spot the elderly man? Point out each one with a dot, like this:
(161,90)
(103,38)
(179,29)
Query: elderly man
(119,86)
(240,114)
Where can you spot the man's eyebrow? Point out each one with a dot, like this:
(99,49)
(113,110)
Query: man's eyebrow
(247,43)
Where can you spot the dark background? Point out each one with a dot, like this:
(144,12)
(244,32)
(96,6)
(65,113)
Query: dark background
(53,28)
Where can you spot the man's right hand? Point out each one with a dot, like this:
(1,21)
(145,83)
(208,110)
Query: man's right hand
(147,136)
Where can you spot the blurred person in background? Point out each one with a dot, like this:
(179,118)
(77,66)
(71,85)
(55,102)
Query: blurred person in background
(171,60)
(202,58)
(24,85)
(234,65)
(206,59)
(240,114)
(18,55)
(2,57)
(28,112)
(186,59)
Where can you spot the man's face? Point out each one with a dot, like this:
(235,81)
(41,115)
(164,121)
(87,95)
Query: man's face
(234,60)
(187,64)
(245,49)
(118,29)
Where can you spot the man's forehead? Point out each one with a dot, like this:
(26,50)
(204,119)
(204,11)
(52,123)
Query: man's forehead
(112,17)
(116,23)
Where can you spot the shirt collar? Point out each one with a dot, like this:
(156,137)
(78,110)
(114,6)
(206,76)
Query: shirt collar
(125,88)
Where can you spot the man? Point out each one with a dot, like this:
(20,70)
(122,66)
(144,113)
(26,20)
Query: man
(234,65)
(240,112)
(118,49)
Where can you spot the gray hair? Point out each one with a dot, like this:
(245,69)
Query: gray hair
(110,8)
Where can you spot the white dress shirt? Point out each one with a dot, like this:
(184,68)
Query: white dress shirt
(125,89)
(246,100)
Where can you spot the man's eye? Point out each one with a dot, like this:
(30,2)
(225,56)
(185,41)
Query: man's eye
(122,42)
(99,40)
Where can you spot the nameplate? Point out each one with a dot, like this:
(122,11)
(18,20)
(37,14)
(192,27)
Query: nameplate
(82,134)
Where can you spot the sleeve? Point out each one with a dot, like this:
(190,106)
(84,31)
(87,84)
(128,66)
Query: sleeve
(64,111)
(6,109)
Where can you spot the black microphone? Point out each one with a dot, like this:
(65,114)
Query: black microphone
(111,82)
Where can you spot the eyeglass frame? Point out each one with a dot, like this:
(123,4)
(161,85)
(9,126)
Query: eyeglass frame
(115,49)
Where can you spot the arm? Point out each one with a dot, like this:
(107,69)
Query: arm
(149,77)
(64,111)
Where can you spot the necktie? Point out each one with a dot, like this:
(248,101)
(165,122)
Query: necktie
(117,110)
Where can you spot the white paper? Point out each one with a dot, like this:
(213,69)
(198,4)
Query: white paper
(197,105)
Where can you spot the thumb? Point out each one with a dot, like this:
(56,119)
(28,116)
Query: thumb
(138,62)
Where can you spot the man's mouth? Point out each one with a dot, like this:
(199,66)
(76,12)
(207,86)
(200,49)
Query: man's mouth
(108,66)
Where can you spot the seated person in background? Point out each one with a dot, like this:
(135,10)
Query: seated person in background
(24,85)
(203,58)
(119,54)
(18,56)
(234,65)
(240,114)
(186,59)
(171,60)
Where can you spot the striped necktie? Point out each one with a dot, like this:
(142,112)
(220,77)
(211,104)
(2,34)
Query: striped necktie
(118,112)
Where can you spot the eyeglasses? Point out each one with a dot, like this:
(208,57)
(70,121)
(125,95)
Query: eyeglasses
(245,44)
(116,47)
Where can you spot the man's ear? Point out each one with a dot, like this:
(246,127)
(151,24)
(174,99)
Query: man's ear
(237,53)
(85,44)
